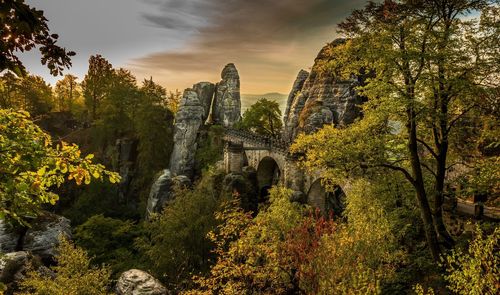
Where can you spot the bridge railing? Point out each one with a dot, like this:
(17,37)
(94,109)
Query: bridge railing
(271,142)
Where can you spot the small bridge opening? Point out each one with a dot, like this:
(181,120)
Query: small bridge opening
(268,174)
(326,201)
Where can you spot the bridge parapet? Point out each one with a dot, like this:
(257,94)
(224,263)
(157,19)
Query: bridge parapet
(269,142)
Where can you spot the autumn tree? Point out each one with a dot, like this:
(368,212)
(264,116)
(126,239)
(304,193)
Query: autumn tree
(263,117)
(31,165)
(66,92)
(21,29)
(96,83)
(431,68)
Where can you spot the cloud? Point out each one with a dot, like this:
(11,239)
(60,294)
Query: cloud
(269,40)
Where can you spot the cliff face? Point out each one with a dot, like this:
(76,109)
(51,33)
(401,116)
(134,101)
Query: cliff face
(320,99)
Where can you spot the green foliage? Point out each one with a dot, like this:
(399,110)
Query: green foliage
(175,245)
(476,270)
(96,83)
(29,93)
(210,149)
(67,92)
(74,274)
(30,167)
(263,117)
(109,241)
(23,28)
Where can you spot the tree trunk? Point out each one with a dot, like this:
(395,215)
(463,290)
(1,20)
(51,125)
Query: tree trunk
(425,210)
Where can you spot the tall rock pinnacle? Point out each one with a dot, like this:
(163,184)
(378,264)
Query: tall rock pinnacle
(227,104)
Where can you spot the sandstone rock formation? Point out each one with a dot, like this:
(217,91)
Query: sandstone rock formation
(296,88)
(188,121)
(227,103)
(12,266)
(9,237)
(42,238)
(322,99)
(205,92)
(138,282)
(161,193)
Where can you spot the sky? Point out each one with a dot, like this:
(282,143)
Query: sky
(181,42)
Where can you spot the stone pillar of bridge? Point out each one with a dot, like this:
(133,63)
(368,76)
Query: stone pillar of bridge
(233,157)
(294,174)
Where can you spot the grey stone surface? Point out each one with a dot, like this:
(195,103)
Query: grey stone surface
(138,282)
(227,104)
(188,120)
(205,92)
(296,88)
(12,266)
(42,238)
(161,193)
(323,99)
(8,237)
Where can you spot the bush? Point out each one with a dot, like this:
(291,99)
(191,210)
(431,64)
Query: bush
(477,270)
(109,241)
(73,275)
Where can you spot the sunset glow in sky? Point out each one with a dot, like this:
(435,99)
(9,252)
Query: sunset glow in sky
(181,42)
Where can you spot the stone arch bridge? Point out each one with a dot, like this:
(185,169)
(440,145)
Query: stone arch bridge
(274,165)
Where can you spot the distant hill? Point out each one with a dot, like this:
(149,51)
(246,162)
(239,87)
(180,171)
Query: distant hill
(248,99)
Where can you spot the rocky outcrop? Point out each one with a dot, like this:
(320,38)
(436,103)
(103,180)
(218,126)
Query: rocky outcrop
(323,99)
(162,191)
(42,238)
(205,92)
(244,186)
(296,88)
(227,103)
(138,282)
(9,237)
(188,121)
(12,266)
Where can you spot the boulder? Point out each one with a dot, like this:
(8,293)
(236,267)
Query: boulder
(323,99)
(161,193)
(188,121)
(138,282)
(9,237)
(205,92)
(227,103)
(42,238)
(12,266)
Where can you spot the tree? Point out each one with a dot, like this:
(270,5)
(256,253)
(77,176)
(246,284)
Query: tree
(96,83)
(34,95)
(263,117)
(73,274)
(22,28)
(175,245)
(8,88)
(66,92)
(429,69)
(31,166)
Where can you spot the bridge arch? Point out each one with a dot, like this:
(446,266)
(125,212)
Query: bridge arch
(268,174)
(326,201)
